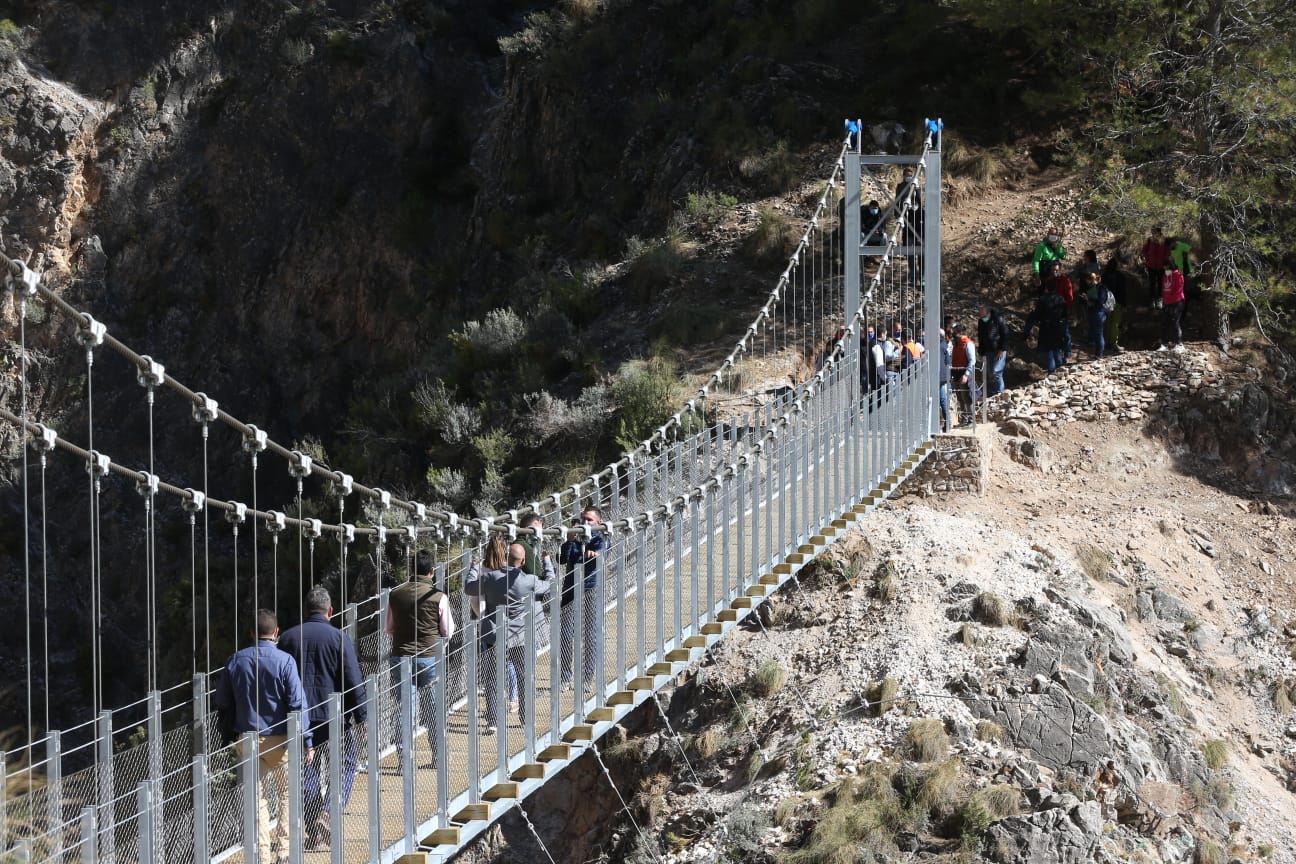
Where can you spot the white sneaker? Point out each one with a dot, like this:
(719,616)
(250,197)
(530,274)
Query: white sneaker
(1120,349)
(1178,349)
(1161,348)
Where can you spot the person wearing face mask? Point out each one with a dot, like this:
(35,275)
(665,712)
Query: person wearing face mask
(1172,306)
(583,557)
(992,343)
(1049,249)
(873,224)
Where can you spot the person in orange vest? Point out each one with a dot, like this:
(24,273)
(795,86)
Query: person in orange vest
(963,372)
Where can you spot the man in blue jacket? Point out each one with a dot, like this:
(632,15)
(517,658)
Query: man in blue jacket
(259,688)
(326,660)
(582,557)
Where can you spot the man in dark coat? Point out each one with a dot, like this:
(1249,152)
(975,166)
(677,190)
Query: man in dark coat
(326,660)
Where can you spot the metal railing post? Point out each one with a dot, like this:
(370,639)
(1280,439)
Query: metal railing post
(695,620)
(373,758)
(90,837)
(201,817)
(528,684)
(409,693)
(641,599)
(501,690)
(337,756)
(576,639)
(155,742)
(440,753)
(296,765)
(555,663)
(144,819)
(248,771)
(659,543)
(104,793)
(54,787)
(620,594)
(474,725)
(4,802)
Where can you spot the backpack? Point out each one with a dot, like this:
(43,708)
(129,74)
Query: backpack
(1107,298)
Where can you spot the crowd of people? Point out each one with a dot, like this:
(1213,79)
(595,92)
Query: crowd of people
(300,669)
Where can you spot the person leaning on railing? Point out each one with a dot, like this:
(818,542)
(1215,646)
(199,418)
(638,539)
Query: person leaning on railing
(417,616)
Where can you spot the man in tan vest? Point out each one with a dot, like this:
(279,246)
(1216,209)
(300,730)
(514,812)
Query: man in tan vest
(417,616)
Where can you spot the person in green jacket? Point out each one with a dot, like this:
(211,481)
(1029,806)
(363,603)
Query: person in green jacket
(1050,249)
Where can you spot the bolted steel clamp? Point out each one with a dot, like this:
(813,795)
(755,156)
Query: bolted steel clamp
(237,515)
(299,464)
(91,333)
(343,482)
(151,373)
(254,440)
(313,529)
(205,409)
(98,465)
(22,278)
(276,522)
(147,485)
(44,438)
(194,502)
(348,532)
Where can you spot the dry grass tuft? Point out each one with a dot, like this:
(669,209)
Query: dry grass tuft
(785,809)
(925,740)
(768,678)
(1173,695)
(939,790)
(1215,753)
(967,634)
(885,581)
(1093,561)
(1283,695)
(707,742)
(881,696)
(984,807)
(1208,852)
(991,609)
(988,730)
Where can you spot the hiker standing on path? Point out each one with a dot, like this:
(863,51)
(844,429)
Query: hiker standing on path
(1155,251)
(992,342)
(1048,250)
(1172,307)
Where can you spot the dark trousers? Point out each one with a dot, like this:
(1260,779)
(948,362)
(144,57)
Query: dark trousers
(1153,284)
(1171,316)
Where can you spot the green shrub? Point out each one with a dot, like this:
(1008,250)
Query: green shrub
(773,171)
(8,30)
(925,740)
(654,265)
(707,209)
(773,239)
(645,395)
(768,678)
(296,52)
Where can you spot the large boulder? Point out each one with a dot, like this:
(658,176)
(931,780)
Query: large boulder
(1070,833)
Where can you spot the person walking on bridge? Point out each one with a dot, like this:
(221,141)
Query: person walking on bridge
(963,372)
(582,558)
(327,662)
(417,616)
(511,587)
(259,689)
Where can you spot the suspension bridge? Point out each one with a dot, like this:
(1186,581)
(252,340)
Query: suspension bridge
(722,505)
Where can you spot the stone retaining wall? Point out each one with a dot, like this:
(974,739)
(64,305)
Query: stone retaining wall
(960,465)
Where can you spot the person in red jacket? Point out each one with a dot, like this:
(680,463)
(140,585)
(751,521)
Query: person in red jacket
(1060,284)
(1155,252)
(1172,306)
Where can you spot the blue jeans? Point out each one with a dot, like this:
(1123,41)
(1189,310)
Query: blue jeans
(1053,359)
(424,674)
(1097,324)
(996,373)
(944,405)
(312,785)
(1066,325)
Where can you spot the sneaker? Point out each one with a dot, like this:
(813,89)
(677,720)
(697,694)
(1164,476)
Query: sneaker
(1178,349)
(1119,349)
(1162,348)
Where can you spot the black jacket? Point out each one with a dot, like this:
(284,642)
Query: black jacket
(992,335)
(326,659)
